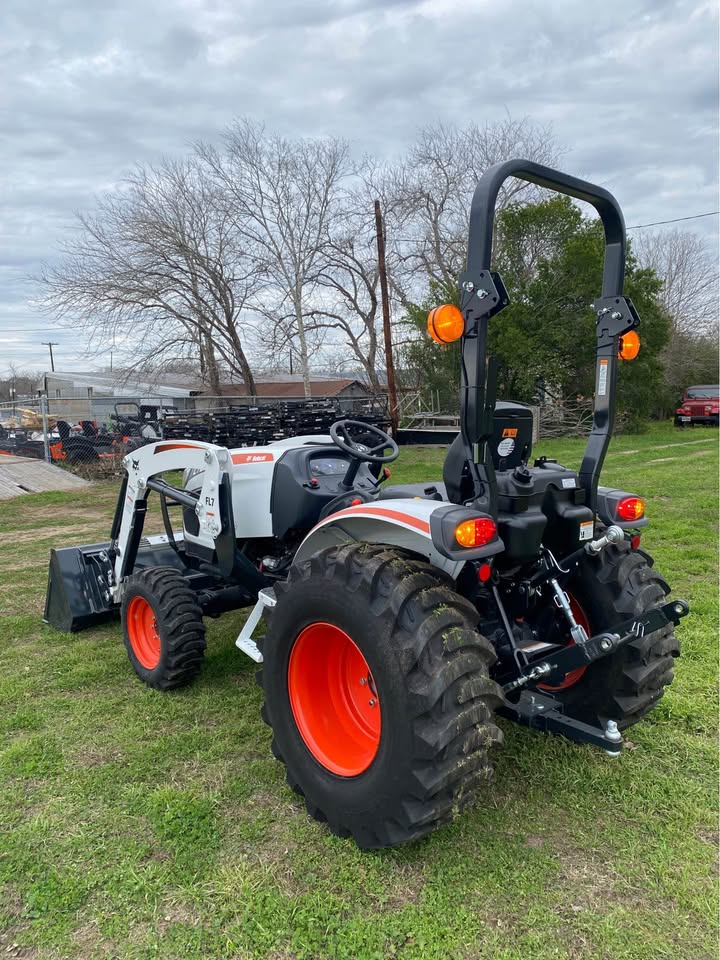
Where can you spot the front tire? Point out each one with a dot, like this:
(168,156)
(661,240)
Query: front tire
(378,694)
(163,628)
(623,687)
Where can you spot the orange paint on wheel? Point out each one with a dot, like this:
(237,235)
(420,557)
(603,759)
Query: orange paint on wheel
(142,632)
(333,699)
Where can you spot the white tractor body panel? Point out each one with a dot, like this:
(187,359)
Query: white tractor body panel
(252,476)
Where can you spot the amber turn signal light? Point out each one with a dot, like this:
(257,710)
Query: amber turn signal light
(631,508)
(475,533)
(446,323)
(628,345)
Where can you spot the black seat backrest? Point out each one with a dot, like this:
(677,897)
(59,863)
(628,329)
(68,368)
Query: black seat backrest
(456,476)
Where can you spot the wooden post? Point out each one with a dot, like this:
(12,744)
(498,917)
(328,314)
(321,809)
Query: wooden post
(52,344)
(389,366)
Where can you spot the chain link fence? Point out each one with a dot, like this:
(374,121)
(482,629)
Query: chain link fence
(91,435)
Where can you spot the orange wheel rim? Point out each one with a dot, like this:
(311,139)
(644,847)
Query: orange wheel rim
(143,633)
(334,700)
(573,676)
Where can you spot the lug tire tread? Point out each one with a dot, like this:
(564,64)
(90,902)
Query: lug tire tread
(180,623)
(451,698)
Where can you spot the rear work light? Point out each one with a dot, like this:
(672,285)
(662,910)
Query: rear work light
(475,533)
(631,508)
(446,323)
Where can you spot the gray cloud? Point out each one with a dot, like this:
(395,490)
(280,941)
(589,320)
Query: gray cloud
(88,89)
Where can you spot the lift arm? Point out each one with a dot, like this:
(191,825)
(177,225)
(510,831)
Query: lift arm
(213,506)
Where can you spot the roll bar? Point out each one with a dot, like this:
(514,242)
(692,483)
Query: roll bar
(482,215)
(483,295)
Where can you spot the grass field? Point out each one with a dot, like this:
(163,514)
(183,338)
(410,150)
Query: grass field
(136,824)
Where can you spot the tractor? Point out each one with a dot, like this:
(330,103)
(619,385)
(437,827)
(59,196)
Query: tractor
(401,621)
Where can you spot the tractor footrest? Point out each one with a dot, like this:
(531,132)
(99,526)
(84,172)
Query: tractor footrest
(544,713)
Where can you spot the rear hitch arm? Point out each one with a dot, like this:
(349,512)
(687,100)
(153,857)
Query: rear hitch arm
(540,712)
(557,665)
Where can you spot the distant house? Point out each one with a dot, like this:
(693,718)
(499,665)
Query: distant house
(291,387)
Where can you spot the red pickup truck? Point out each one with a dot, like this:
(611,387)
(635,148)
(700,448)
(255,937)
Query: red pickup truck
(700,404)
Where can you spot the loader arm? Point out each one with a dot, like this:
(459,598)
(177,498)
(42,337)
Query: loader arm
(213,504)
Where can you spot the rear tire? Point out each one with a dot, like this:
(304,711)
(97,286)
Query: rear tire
(163,628)
(420,757)
(609,589)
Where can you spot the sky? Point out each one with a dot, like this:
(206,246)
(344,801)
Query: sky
(88,89)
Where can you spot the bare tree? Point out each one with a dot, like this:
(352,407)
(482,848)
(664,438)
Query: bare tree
(346,302)
(158,267)
(17,384)
(283,197)
(427,196)
(690,278)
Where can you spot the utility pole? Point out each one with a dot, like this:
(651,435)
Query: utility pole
(389,366)
(51,344)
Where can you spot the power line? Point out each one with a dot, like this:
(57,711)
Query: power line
(657,223)
(637,226)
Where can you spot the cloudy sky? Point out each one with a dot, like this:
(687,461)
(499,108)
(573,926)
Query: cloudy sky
(90,87)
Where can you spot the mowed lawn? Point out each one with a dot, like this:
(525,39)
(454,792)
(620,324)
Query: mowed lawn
(138,824)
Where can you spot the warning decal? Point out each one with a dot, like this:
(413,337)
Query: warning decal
(587,530)
(602,378)
(510,432)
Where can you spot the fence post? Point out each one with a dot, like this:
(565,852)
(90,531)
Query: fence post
(44,412)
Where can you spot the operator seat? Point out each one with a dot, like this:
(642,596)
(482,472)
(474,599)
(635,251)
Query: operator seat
(420,491)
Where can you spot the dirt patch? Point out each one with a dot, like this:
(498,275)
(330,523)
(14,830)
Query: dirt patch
(97,758)
(272,853)
(408,883)
(89,941)
(171,912)
(11,936)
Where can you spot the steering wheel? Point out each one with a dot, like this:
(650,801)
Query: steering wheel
(341,433)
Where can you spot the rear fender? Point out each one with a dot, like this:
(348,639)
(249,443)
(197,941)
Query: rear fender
(399,523)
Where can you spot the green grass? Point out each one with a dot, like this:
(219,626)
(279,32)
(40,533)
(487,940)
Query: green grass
(137,824)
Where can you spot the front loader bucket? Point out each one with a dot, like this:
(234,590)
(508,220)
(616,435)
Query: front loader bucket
(78,595)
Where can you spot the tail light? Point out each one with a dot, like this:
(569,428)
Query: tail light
(631,508)
(475,533)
